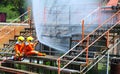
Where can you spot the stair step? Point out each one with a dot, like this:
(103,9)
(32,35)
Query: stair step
(12,41)
(80,35)
(48,51)
(54,58)
(97,46)
(89,51)
(5,45)
(90,54)
(22,32)
(114,31)
(7,53)
(15,71)
(91,48)
(117,26)
(101,40)
(46,58)
(79,58)
(29,29)
(16,36)
(8,45)
(74,62)
(43,66)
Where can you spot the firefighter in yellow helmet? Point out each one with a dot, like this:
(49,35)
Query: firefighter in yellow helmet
(19,47)
(29,48)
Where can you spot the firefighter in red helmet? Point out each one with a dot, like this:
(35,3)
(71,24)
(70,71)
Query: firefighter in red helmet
(19,47)
(29,48)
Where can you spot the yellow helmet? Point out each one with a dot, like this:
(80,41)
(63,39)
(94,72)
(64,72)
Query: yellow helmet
(29,38)
(21,38)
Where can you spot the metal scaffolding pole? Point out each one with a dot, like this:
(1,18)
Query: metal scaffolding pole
(108,57)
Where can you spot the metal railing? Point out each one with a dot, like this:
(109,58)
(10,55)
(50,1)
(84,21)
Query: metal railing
(110,49)
(105,24)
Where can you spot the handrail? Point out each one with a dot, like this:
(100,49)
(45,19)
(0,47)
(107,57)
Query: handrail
(89,34)
(88,16)
(103,56)
(91,13)
(87,37)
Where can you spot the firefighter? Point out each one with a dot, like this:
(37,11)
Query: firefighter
(19,47)
(29,48)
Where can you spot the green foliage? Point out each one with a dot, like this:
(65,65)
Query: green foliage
(13,8)
(10,14)
(4,2)
(48,63)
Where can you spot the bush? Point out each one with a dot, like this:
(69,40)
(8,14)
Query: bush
(10,14)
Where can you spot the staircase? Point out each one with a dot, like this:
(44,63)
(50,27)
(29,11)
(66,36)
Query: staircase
(11,31)
(91,48)
(87,50)
(25,32)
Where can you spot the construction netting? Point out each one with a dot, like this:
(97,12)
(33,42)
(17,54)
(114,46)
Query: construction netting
(56,21)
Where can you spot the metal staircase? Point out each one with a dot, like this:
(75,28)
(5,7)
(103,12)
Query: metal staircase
(88,49)
(8,48)
(91,48)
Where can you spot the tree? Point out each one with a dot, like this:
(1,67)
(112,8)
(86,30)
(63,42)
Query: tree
(4,2)
(19,6)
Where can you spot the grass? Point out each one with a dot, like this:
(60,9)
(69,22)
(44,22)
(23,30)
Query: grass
(101,68)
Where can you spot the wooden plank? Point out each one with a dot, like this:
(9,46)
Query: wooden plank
(54,59)
(16,71)
(42,66)
(47,57)
(80,58)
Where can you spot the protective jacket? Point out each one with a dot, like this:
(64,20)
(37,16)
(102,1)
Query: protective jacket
(29,50)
